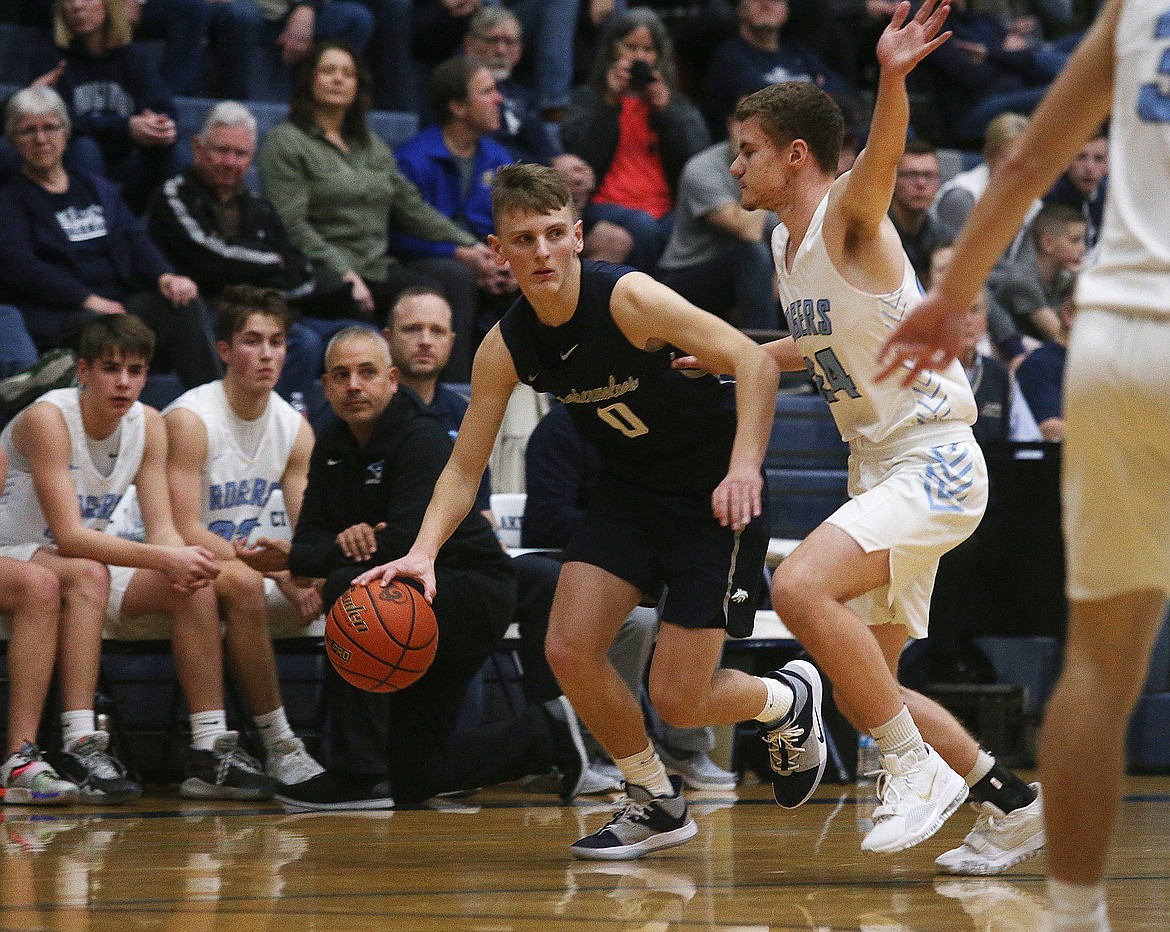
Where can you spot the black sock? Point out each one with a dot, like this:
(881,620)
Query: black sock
(1003,788)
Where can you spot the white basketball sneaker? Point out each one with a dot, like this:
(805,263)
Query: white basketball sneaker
(998,840)
(918,793)
(289,763)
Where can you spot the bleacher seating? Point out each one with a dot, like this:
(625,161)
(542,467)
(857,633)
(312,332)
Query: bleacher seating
(805,465)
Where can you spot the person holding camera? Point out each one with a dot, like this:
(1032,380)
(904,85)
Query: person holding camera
(636,131)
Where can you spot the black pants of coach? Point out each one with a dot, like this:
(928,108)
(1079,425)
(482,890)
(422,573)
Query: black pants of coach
(410,736)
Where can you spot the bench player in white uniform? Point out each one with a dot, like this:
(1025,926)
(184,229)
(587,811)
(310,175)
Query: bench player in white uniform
(1117,432)
(72,456)
(860,584)
(233,443)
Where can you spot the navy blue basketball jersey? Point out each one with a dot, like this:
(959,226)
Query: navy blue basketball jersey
(655,427)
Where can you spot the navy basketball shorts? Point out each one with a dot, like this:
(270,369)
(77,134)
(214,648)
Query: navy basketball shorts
(712,574)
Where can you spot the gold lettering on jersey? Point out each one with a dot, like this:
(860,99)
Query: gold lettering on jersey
(592,395)
(353,613)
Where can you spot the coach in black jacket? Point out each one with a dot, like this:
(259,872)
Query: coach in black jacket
(370,480)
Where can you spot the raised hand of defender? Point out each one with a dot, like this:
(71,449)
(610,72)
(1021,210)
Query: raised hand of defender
(415,565)
(929,338)
(903,44)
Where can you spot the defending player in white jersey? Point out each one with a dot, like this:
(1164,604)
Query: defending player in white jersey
(859,585)
(72,457)
(1117,432)
(233,443)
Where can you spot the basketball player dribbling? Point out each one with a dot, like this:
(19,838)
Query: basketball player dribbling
(679,502)
(1117,433)
(859,585)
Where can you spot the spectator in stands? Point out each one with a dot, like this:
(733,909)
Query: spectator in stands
(494,36)
(207,222)
(562,470)
(718,255)
(17,351)
(122,113)
(339,192)
(758,56)
(956,198)
(57,494)
(1033,290)
(915,187)
(254,43)
(604,241)
(990,67)
(1041,377)
(225,438)
(1003,412)
(73,251)
(452,164)
(1005,336)
(636,132)
(181,25)
(404,746)
(1083,184)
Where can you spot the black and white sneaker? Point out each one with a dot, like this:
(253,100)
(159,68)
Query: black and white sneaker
(55,369)
(571,760)
(227,771)
(645,823)
(335,792)
(796,743)
(100,777)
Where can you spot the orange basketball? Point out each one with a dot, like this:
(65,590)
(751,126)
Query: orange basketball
(381,639)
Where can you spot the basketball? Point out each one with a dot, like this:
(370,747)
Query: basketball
(381,639)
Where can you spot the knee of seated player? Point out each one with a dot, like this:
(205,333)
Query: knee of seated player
(27,584)
(240,587)
(87,579)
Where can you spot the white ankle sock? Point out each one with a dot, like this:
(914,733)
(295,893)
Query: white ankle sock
(1077,907)
(206,727)
(76,724)
(983,764)
(898,735)
(779,701)
(646,770)
(274,727)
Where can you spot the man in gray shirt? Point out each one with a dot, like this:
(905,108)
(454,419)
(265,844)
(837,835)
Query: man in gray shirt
(718,256)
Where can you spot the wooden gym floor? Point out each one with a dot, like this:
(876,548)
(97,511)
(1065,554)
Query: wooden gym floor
(498,861)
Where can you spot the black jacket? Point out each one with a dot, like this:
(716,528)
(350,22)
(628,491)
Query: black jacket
(391,479)
(592,127)
(182,221)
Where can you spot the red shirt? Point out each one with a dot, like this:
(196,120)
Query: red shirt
(636,178)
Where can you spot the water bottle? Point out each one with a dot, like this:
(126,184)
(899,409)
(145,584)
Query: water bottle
(869,759)
(297,401)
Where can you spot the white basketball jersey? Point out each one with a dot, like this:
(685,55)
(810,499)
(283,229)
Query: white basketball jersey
(21,518)
(839,330)
(1133,253)
(240,476)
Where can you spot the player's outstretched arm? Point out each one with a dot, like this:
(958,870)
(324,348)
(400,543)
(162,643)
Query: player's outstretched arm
(651,314)
(493,377)
(1073,109)
(903,44)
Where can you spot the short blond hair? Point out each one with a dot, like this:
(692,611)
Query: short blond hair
(1001,132)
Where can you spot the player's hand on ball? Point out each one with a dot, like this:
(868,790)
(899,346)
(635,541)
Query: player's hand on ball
(736,500)
(415,565)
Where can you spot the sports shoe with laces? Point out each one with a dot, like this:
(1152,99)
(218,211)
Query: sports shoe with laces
(998,839)
(918,792)
(99,775)
(26,779)
(330,791)
(288,762)
(227,771)
(699,772)
(796,743)
(571,760)
(645,823)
